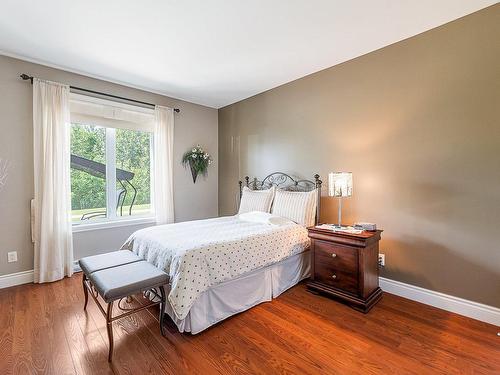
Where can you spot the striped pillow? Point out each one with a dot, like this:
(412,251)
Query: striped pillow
(256,200)
(297,206)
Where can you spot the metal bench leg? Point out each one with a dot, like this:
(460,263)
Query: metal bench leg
(85,291)
(108,312)
(162,309)
(109,324)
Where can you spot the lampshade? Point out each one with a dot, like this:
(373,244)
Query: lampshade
(340,184)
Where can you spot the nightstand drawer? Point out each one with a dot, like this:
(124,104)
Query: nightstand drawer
(326,274)
(336,266)
(340,257)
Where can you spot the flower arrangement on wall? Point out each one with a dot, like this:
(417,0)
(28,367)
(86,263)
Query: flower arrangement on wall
(198,161)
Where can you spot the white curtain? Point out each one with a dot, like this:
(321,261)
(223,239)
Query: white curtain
(163,165)
(52,203)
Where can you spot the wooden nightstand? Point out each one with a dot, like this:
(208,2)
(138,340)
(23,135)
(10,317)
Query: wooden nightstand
(345,266)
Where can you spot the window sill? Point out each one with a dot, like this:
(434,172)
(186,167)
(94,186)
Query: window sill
(112,224)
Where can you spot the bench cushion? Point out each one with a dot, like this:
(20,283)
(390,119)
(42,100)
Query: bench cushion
(121,281)
(102,261)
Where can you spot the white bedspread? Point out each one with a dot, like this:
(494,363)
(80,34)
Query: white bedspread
(202,253)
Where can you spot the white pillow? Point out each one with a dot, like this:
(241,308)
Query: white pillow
(265,218)
(256,200)
(296,206)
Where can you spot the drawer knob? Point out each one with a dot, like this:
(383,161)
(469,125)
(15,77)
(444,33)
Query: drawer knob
(334,277)
(334,255)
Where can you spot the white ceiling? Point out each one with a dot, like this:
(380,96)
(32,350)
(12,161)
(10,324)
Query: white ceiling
(212,52)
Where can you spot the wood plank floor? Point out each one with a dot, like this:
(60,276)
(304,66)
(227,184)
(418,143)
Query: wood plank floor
(43,329)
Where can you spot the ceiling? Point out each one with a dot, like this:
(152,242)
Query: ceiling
(212,52)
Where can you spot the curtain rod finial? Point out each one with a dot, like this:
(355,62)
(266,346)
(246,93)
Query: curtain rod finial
(25,77)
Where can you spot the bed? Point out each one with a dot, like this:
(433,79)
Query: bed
(222,266)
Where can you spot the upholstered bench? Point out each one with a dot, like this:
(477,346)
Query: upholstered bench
(99,262)
(118,275)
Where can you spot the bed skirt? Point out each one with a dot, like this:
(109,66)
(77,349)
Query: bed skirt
(240,294)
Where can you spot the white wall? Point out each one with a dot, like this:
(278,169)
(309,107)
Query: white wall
(99,241)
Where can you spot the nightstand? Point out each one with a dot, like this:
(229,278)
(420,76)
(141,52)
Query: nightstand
(345,266)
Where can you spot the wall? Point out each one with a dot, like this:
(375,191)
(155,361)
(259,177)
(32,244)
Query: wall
(418,124)
(193,124)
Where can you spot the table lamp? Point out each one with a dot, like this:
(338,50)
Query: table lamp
(340,186)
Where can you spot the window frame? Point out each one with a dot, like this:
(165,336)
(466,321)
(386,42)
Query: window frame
(112,220)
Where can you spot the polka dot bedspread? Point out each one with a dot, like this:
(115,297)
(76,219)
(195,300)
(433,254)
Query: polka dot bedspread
(202,253)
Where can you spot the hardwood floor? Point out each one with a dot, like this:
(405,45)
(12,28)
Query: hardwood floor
(43,329)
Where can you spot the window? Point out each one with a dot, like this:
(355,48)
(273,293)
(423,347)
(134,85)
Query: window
(111,161)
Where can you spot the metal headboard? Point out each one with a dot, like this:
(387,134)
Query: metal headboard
(286,182)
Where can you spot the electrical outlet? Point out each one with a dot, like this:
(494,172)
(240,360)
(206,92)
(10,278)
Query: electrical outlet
(12,257)
(381,260)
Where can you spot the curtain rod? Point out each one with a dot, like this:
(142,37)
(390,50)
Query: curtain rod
(26,77)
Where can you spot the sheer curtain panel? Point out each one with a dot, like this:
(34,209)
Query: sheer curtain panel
(52,204)
(163,165)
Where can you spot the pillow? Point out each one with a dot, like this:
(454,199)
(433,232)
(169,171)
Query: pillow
(265,218)
(297,206)
(256,200)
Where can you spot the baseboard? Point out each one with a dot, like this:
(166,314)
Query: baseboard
(474,310)
(18,278)
(25,277)
(76,266)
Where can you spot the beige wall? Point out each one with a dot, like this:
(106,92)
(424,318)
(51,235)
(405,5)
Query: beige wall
(418,125)
(194,124)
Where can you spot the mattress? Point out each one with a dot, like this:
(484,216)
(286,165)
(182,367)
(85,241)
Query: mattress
(201,254)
